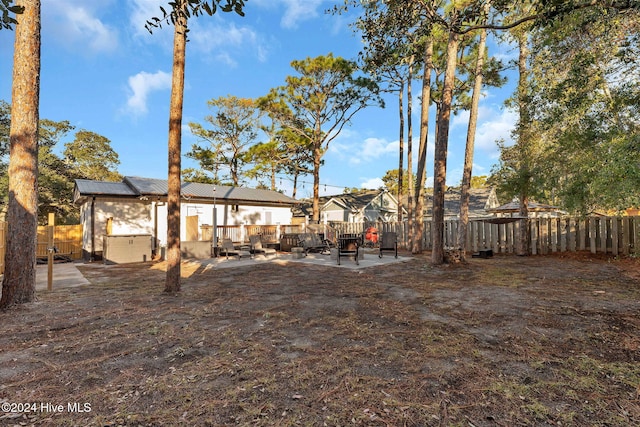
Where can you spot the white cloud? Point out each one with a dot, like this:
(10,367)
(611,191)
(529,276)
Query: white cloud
(225,40)
(496,127)
(374,148)
(142,11)
(298,11)
(141,85)
(349,146)
(493,125)
(76,23)
(211,38)
(372,183)
(295,11)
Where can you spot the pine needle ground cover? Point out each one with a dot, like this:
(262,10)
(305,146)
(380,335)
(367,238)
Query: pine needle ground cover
(506,341)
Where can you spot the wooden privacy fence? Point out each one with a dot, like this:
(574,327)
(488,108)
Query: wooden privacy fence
(597,234)
(67,240)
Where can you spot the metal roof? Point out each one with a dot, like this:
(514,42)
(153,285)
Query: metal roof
(88,187)
(138,186)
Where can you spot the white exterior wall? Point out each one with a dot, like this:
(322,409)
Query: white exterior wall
(139,217)
(129,217)
(226,215)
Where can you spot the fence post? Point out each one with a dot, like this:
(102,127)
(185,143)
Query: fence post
(614,236)
(626,235)
(636,235)
(50,249)
(604,223)
(592,234)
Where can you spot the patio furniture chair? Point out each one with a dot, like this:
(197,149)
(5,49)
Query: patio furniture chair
(388,242)
(227,248)
(311,242)
(348,245)
(256,246)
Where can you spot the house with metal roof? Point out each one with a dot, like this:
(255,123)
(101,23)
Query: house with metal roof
(138,207)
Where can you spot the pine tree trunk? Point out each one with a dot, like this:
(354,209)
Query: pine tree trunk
(421,174)
(19,283)
(295,185)
(468,153)
(317,158)
(524,141)
(410,186)
(440,157)
(172,283)
(400,152)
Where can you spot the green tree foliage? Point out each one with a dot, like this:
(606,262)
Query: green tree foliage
(318,102)
(391,180)
(234,128)
(90,156)
(198,175)
(268,159)
(7,9)
(583,122)
(589,109)
(5,124)
(479,181)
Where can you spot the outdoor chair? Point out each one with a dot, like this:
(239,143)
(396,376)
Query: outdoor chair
(348,245)
(228,248)
(388,242)
(256,247)
(311,242)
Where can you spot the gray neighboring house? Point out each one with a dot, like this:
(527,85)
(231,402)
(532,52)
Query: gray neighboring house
(137,207)
(360,206)
(481,201)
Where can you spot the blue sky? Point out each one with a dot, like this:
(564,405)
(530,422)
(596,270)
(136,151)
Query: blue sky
(102,71)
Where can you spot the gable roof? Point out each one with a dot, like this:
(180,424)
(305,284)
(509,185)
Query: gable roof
(136,187)
(352,202)
(480,201)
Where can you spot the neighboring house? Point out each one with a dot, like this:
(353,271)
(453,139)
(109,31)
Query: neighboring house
(138,206)
(536,210)
(360,206)
(481,201)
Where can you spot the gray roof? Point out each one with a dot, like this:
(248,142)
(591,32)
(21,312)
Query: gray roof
(514,206)
(102,188)
(133,186)
(480,201)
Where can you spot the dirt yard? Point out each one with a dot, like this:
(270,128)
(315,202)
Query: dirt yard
(506,341)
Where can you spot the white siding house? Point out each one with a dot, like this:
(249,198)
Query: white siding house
(137,206)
